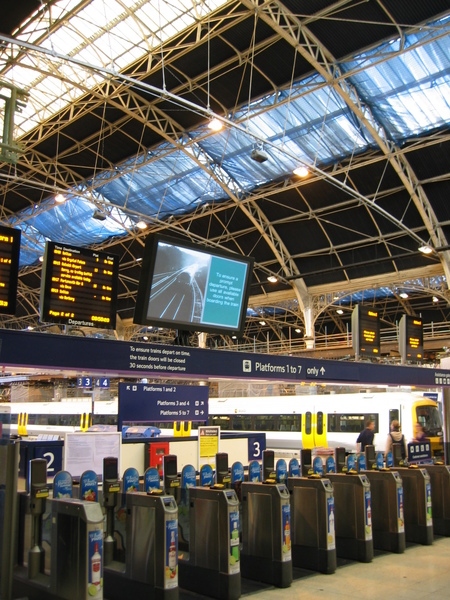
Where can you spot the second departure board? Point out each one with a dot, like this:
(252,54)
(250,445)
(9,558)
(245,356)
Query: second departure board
(79,286)
(366,331)
(411,339)
(9,268)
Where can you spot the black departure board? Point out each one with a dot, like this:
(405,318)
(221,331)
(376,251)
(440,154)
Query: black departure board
(366,331)
(79,286)
(411,338)
(9,268)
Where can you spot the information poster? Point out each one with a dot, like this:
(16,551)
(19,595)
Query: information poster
(208,445)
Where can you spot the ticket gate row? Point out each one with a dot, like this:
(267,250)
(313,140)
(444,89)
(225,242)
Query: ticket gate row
(258,530)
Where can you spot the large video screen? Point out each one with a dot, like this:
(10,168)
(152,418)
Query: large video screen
(79,286)
(184,286)
(9,268)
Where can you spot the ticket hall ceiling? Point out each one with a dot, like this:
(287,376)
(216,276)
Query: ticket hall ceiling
(332,167)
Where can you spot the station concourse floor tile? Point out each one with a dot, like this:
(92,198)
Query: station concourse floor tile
(420,572)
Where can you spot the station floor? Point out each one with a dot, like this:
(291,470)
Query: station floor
(420,572)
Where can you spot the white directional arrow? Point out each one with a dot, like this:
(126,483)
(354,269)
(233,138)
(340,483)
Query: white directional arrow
(322,370)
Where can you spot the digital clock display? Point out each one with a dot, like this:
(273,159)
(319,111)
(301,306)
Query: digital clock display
(79,286)
(9,269)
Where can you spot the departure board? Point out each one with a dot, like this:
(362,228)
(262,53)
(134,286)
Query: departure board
(411,339)
(79,286)
(365,331)
(9,268)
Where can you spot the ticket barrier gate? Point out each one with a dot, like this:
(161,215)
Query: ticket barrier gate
(388,520)
(9,459)
(353,518)
(75,549)
(266,533)
(212,565)
(147,565)
(312,524)
(417,505)
(440,497)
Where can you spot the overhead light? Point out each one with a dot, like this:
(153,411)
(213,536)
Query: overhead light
(272,279)
(435,299)
(301,171)
(259,155)
(340,311)
(141,225)
(215,125)
(403,295)
(298,330)
(425,249)
(60,198)
(41,259)
(262,323)
(98,215)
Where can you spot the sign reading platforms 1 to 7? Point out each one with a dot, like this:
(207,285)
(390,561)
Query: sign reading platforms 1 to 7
(365,331)
(9,269)
(79,286)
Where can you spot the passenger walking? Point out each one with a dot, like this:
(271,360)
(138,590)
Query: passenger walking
(395,436)
(366,437)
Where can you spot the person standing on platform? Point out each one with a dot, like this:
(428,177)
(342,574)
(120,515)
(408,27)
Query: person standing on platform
(366,437)
(396,437)
(419,434)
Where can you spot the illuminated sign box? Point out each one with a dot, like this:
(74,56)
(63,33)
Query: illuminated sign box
(9,269)
(79,286)
(410,342)
(366,331)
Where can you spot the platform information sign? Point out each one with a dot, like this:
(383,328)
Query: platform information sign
(155,402)
(9,268)
(79,286)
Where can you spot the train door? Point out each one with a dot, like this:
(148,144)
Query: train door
(314,429)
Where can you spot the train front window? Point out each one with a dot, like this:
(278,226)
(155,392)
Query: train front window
(430,419)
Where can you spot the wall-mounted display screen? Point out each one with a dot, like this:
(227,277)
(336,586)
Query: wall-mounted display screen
(411,338)
(9,269)
(365,331)
(79,286)
(185,286)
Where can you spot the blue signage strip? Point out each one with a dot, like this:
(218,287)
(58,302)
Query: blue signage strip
(21,348)
(155,402)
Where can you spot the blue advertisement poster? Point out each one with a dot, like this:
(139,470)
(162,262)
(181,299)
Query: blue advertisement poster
(281,471)
(318,466)
(234,564)
(401,515)
(331,535)
(254,471)
(380,460)
(428,497)
(294,468)
(206,476)
(62,485)
(361,463)
(351,462)
(331,465)
(89,486)
(286,537)
(131,480)
(171,570)
(389,460)
(95,558)
(151,479)
(368,502)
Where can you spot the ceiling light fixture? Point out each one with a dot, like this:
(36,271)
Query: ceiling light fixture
(60,198)
(403,295)
(272,279)
(435,299)
(141,225)
(98,215)
(340,311)
(301,171)
(262,323)
(425,249)
(215,124)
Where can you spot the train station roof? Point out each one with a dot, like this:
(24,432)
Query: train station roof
(332,167)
